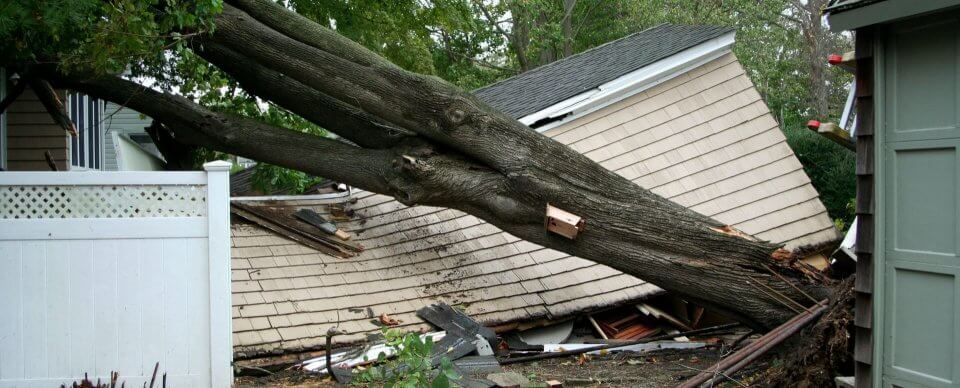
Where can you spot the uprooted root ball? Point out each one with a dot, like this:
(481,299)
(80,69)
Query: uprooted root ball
(821,351)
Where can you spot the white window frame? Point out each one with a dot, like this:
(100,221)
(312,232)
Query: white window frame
(84,131)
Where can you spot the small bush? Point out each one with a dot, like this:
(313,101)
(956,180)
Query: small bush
(411,366)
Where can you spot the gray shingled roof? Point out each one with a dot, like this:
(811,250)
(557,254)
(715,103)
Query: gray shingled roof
(544,86)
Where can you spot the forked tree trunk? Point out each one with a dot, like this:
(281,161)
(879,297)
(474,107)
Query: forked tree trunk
(426,142)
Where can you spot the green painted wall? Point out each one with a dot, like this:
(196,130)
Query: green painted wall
(919,203)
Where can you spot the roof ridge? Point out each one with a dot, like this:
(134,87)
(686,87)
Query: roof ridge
(576,55)
(541,87)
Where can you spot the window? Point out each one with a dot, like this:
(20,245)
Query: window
(86,149)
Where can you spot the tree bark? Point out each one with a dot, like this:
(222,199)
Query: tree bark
(567,27)
(816,38)
(424,141)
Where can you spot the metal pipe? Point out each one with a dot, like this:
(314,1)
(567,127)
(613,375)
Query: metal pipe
(774,342)
(751,352)
(737,356)
(542,356)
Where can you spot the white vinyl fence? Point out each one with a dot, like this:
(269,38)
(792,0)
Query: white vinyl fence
(115,271)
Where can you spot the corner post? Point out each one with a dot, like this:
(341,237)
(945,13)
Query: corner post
(218,244)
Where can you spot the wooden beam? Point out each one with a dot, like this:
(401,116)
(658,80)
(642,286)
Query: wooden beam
(847,61)
(833,132)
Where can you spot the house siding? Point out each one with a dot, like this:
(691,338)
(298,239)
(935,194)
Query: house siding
(120,120)
(706,140)
(31,132)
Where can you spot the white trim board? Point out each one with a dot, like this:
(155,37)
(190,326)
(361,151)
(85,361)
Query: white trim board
(102,228)
(632,83)
(120,178)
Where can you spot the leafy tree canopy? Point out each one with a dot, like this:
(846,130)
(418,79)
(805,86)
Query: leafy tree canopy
(470,43)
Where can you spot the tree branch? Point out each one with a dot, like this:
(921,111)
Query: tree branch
(193,124)
(12,95)
(51,102)
(344,119)
(480,61)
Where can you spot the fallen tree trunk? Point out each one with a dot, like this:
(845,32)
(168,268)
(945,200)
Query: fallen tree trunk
(426,142)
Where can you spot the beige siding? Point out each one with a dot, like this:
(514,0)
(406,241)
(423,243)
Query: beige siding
(703,139)
(706,140)
(30,132)
(121,120)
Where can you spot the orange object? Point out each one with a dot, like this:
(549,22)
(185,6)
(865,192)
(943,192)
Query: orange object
(386,320)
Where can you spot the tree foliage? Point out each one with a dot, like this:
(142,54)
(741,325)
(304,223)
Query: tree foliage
(100,35)
(470,43)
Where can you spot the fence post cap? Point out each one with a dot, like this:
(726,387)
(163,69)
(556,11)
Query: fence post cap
(218,165)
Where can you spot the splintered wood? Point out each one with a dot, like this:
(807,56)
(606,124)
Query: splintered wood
(731,231)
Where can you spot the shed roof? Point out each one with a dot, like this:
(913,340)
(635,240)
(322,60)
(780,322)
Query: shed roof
(549,84)
(703,139)
(844,5)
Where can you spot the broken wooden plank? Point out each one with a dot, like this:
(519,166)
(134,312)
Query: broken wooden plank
(311,217)
(660,314)
(834,133)
(593,322)
(319,245)
(282,217)
(847,61)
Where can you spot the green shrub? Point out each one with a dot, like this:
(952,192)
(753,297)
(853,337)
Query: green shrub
(831,168)
(410,367)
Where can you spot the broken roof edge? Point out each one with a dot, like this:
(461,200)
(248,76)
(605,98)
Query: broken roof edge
(253,352)
(632,83)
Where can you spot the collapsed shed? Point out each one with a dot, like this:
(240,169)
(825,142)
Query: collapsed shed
(669,108)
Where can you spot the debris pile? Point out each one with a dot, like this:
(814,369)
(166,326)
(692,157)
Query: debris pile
(302,225)
(478,354)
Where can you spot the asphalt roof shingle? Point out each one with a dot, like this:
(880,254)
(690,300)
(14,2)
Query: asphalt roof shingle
(549,84)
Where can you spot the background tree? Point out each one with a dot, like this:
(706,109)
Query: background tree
(470,43)
(783,45)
